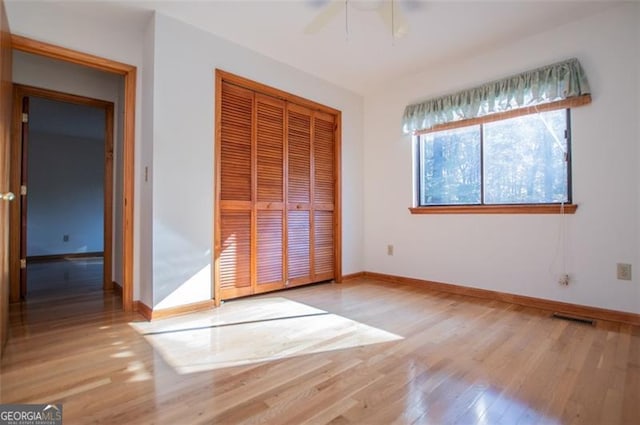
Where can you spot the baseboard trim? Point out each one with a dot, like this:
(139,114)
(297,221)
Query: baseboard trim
(69,256)
(155,314)
(543,304)
(526,301)
(143,309)
(183,309)
(352,276)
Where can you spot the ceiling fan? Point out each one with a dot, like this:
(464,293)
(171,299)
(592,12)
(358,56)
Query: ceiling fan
(389,11)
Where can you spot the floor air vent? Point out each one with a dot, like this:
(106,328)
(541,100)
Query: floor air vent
(578,319)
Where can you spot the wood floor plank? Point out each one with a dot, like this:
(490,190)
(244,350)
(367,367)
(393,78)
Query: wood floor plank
(456,360)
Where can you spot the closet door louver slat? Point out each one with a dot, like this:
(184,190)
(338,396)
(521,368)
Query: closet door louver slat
(235,255)
(298,247)
(323,154)
(299,155)
(236,132)
(270,248)
(270,149)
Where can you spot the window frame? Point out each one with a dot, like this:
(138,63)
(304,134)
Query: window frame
(546,208)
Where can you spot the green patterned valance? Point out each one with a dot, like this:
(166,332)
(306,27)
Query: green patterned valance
(547,84)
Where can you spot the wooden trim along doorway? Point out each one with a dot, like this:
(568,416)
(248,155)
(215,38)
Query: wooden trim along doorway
(129,73)
(19,159)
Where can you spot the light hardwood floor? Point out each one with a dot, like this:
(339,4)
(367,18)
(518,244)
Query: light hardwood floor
(460,361)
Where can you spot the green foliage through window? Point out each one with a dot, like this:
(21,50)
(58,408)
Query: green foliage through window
(522,160)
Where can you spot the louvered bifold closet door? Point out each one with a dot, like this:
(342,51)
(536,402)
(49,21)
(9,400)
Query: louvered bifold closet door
(270,202)
(323,196)
(234,268)
(277,190)
(299,185)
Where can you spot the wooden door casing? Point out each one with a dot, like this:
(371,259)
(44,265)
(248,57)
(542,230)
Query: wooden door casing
(21,96)
(128,72)
(24,173)
(5,141)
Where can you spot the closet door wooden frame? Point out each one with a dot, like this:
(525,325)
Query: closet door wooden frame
(323,195)
(259,219)
(311,195)
(234,259)
(270,194)
(300,243)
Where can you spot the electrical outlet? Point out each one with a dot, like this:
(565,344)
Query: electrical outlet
(65,238)
(623,271)
(389,249)
(564,279)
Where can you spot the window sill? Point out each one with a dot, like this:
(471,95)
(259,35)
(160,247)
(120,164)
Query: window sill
(496,209)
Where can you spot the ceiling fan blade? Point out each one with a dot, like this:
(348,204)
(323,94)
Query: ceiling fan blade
(393,18)
(329,12)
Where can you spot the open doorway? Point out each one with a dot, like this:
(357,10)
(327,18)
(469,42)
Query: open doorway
(124,190)
(67,191)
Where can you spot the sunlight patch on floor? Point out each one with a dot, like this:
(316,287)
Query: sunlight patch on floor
(254,330)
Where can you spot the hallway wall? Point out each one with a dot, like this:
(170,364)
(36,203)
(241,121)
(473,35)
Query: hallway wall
(66,196)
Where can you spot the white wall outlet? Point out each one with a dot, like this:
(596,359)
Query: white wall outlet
(389,249)
(564,279)
(623,271)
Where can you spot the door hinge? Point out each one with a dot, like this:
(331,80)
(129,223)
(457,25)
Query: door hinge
(23,263)
(23,190)
(25,117)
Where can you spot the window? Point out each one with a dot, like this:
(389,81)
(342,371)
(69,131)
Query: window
(520,161)
(501,147)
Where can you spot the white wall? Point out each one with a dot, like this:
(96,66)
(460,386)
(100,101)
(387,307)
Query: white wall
(66,195)
(91,32)
(183,122)
(637,18)
(517,254)
(174,137)
(520,253)
(146,150)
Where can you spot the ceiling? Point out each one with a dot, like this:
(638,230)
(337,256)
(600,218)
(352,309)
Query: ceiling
(439,31)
